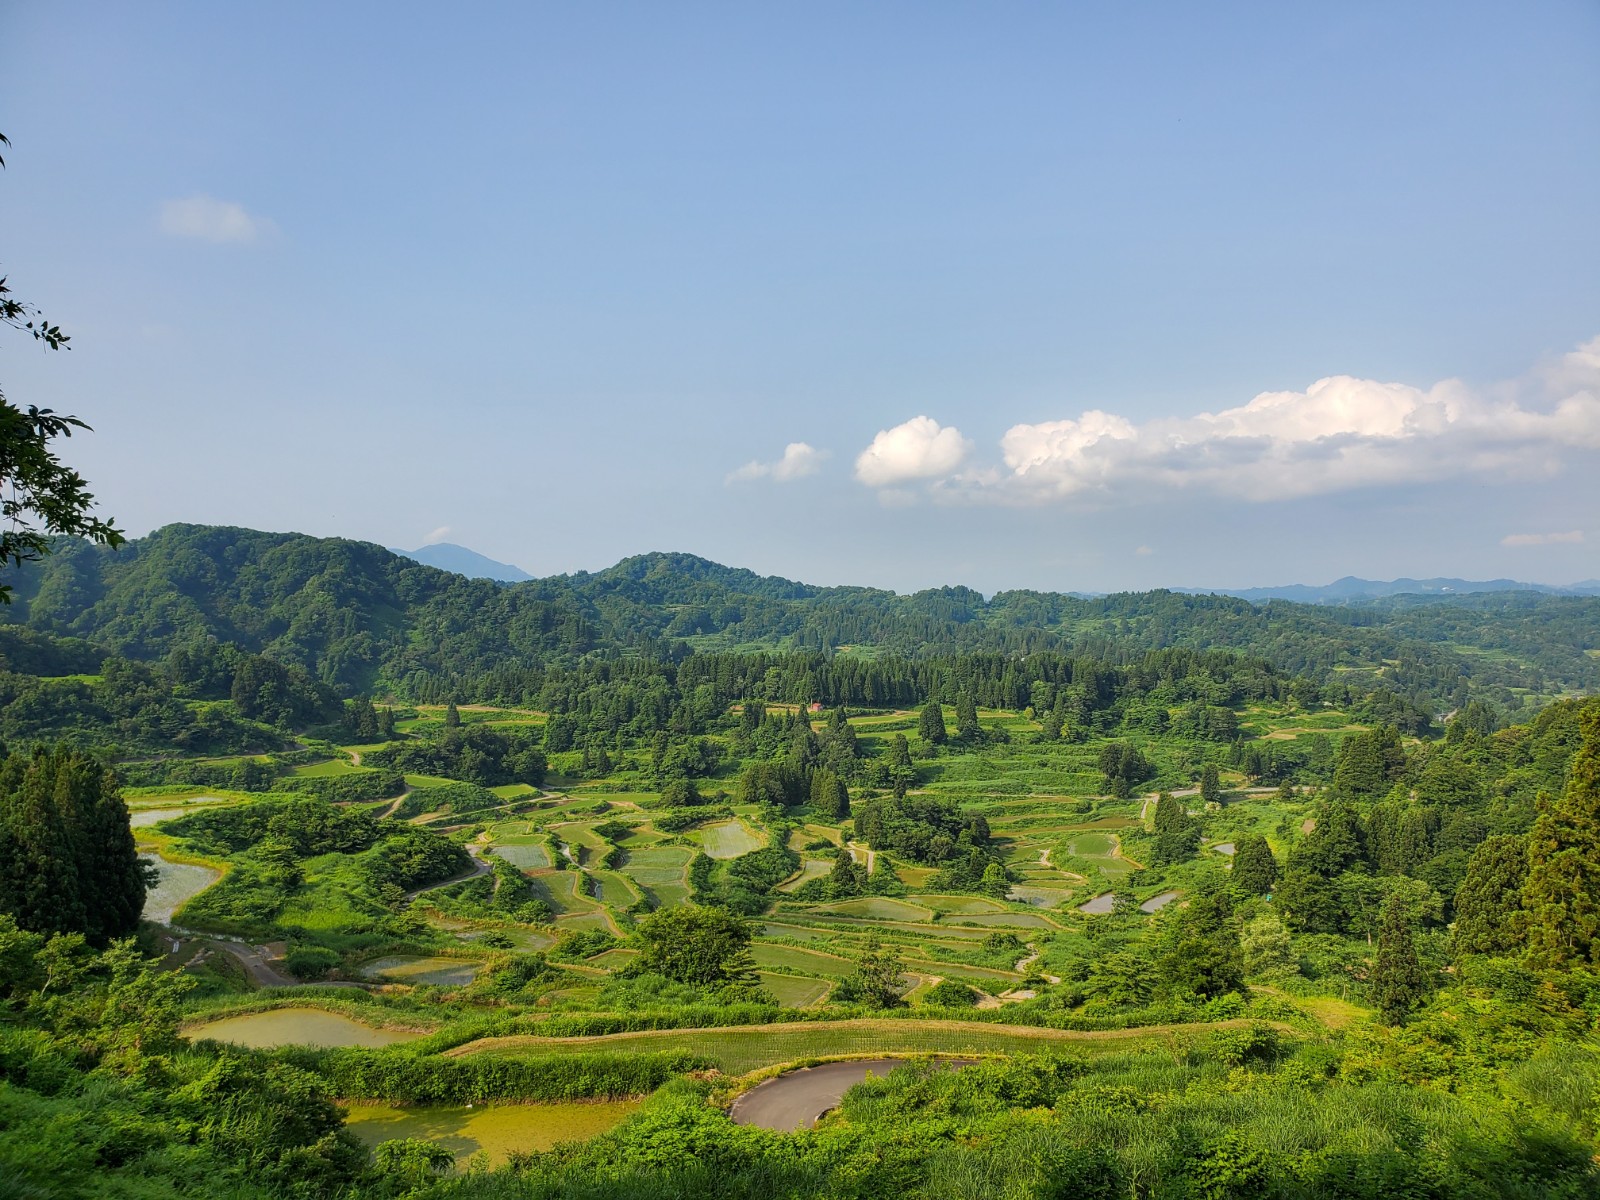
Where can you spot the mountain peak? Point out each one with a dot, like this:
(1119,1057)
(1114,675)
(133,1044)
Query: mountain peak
(448,556)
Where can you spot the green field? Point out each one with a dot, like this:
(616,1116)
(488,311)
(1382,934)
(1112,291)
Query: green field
(791,991)
(749,1048)
(729,839)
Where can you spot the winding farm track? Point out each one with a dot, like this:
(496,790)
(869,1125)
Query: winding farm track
(479,867)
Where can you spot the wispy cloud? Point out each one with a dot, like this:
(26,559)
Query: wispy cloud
(213,220)
(1340,433)
(1573,537)
(798,461)
(917,449)
(438,535)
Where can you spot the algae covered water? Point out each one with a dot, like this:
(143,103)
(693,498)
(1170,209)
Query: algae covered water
(297,1027)
(496,1129)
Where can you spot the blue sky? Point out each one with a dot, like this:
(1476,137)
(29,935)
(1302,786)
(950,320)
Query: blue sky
(1042,295)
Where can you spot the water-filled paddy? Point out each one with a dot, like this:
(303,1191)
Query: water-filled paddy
(524,855)
(961,904)
(780,958)
(1099,906)
(496,1129)
(1223,848)
(1157,903)
(178,882)
(525,940)
(1012,920)
(297,1027)
(878,908)
(1039,897)
(1092,845)
(730,839)
(407,968)
(791,991)
(811,868)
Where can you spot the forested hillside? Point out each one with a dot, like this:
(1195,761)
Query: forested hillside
(365,620)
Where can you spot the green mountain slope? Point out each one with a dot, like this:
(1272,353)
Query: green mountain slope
(362,617)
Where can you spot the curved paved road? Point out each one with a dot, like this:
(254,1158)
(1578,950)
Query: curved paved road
(795,1099)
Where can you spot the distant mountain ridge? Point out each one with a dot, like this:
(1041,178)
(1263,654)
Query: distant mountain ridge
(369,620)
(1351,588)
(448,556)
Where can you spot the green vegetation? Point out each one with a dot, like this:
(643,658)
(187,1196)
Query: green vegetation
(1247,927)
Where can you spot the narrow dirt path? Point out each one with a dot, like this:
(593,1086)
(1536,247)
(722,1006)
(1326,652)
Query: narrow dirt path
(479,867)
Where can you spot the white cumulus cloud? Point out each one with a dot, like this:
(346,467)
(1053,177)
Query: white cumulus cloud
(212,220)
(918,449)
(1573,537)
(799,460)
(1338,434)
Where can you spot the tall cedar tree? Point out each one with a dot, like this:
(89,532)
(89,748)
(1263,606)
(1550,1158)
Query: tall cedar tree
(1398,982)
(1255,870)
(1562,894)
(1170,816)
(829,795)
(930,726)
(1489,917)
(1210,784)
(452,716)
(967,718)
(68,863)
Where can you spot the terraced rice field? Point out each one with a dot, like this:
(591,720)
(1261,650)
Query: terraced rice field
(861,925)
(804,933)
(523,855)
(742,1048)
(960,904)
(660,869)
(1157,903)
(1008,920)
(730,839)
(792,991)
(563,890)
(492,1129)
(810,868)
(792,958)
(877,908)
(617,889)
(406,968)
(1040,897)
(610,960)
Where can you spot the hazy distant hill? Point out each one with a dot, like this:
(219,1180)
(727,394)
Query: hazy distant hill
(1342,591)
(448,556)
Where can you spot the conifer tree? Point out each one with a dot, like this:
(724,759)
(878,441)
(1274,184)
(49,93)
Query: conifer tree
(1562,894)
(930,727)
(1210,784)
(967,719)
(829,796)
(1398,982)
(452,716)
(68,863)
(1169,816)
(1255,869)
(1489,916)
(847,878)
